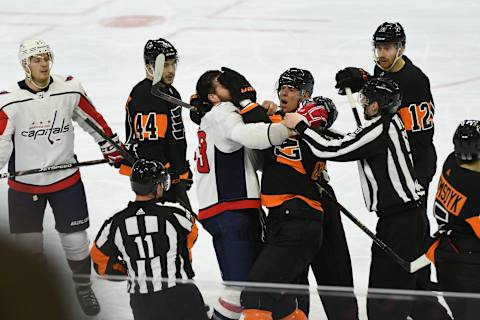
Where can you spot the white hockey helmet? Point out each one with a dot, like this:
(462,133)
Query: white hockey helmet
(32,47)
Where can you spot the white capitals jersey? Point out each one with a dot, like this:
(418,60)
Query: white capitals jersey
(36,131)
(225,173)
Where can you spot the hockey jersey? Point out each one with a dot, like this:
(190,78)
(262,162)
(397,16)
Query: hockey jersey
(36,131)
(417,112)
(154,128)
(147,241)
(225,172)
(457,204)
(385,165)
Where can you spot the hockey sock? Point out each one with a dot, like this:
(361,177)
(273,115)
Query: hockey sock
(256,314)
(81,270)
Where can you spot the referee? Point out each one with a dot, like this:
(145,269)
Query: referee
(389,185)
(148,242)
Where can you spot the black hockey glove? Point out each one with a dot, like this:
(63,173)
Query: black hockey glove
(201,108)
(351,77)
(243,94)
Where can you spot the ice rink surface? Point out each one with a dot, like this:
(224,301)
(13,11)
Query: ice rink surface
(101,43)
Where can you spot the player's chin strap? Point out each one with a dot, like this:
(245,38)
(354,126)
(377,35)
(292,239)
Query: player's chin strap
(397,57)
(410,267)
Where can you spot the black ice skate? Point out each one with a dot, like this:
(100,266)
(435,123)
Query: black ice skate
(87,300)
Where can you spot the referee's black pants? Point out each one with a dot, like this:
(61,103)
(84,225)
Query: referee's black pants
(404,231)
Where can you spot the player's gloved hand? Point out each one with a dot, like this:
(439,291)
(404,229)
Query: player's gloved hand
(351,77)
(201,108)
(110,152)
(243,94)
(319,112)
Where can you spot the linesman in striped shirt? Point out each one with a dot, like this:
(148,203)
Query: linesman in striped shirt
(149,241)
(389,186)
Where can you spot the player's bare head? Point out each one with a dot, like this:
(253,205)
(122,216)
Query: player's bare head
(293,86)
(36,59)
(466,141)
(209,89)
(149,178)
(161,46)
(388,44)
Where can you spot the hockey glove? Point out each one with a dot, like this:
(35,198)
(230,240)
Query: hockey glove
(110,152)
(201,108)
(243,94)
(319,112)
(351,77)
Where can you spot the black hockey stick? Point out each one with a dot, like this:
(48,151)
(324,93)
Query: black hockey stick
(52,168)
(348,91)
(409,266)
(157,84)
(122,151)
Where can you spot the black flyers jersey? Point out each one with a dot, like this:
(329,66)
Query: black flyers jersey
(290,171)
(457,203)
(154,127)
(416,112)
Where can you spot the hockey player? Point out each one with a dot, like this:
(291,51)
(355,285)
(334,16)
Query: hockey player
(389,186)
(148,241)
(417,107)
(331,265)
(456,252)
(416,111)
(225,178)
(154,127)
(36,130)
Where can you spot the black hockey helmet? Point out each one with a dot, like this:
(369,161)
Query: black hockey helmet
(300,79)
(154,47)
(466,140)
(146,175)
(389,32)
(383,90)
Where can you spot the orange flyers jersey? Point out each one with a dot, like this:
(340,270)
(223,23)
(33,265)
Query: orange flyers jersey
(457,201)
(290,171)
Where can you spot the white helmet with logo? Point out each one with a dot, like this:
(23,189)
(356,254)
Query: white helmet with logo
(33,47)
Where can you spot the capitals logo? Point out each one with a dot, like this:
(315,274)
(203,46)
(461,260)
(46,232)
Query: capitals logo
(49,129)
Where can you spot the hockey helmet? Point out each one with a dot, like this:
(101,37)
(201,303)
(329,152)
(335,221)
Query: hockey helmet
(383,90)
(297,78)
(466,140)
(155,47)
(389,32)
(146,175)
(32,47)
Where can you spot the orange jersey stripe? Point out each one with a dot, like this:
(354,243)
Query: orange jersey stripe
(276,200)
(474,222)
(431,251)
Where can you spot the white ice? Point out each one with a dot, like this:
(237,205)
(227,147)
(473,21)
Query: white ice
(260,39)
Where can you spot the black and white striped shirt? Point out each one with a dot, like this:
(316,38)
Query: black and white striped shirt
(384,159)
(151,239)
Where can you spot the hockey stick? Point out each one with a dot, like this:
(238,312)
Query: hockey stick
(410,267)
(52,168)
(351,101)
(157,84)
(122,151)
